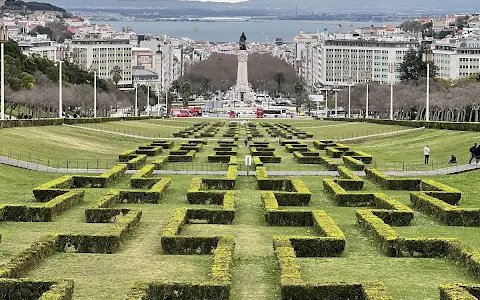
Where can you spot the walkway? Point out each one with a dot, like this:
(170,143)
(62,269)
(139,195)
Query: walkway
(41,168)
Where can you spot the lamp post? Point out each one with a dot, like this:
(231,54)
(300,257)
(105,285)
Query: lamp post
(391,70)
(158,101)
(149,111)
(94,94)
(60,95)
(335,89)
(3,40)
(349,95)
(428,57)
(136,99)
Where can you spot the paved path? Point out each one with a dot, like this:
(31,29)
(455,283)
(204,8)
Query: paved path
(41,168)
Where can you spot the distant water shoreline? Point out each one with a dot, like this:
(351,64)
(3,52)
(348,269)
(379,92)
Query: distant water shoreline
(229,31)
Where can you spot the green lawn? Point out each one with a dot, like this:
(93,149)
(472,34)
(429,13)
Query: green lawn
(407,149)
(255,274)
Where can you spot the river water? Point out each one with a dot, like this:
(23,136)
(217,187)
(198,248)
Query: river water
(230,31)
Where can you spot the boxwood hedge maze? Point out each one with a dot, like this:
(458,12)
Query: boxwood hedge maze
(143,231)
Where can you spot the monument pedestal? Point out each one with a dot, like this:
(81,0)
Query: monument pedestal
(243,94)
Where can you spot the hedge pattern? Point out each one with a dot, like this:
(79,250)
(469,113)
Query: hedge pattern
(26,289)
(201,191)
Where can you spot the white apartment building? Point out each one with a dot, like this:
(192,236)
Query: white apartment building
(103,55)
(457,58)
(344,59)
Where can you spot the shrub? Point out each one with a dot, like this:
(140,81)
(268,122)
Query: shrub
(27,289)
(52,189)
(165,144)
(45,213)
(441,191)
(140,179)
(448,214)
(353,163)
(387,182)
(137,162)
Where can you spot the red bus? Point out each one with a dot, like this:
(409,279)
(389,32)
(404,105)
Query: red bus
(260,113)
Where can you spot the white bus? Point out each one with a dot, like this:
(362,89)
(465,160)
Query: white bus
(275,113)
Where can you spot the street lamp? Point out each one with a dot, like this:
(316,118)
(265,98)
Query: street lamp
(60,95)
(349,94)
(335,89)
(136,99)
(3,40)
(94,91)
(391,70)
(428,58)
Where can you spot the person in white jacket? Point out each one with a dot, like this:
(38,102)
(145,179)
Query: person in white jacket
(426,152)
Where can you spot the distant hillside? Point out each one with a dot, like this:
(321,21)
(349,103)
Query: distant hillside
(31,6)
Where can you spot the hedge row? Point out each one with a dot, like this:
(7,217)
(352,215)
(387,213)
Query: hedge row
(165,144)
(101,243)
(30,123)
(149,150)
(52,189)
(291,192)
(293,287)
(25,261)
(461,126)
(44,213)
(458,291)
(348,180)
(28,289)
(153,195)
(331,164)
(181,156)
(322,144)
(101,211)
(142,179)
(190,146)
(390,183)
(441,191)
(307,157)
(445,213)
(217,288)
(102,180)
(204,190)
(295,147)
(136,162)
(353,163)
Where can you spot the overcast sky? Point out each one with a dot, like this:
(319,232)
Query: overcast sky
(467,5)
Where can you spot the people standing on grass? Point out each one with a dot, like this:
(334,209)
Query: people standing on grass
(473,152)
(477,155)
(426,152)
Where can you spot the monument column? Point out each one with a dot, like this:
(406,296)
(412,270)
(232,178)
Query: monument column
(242,88)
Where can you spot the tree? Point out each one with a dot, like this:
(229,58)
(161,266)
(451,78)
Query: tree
(279,78)
(299,88)
(185,90)
(176,87)
(413,67)
(116,72)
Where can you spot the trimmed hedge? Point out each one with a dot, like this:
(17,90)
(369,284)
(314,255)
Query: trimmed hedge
(153,195)
(165,144)
(102,243)
(459,291)
(390,183)
(44,213)
(353,163)
(307,157)
(149,150)
(27,289)
(142,178)
(52,189)
(30,123)
(321,145)
(441,191)
(102,180)
(348,180)
(331,164)
(136,162)
(29,258)
(181,156)
(445,213)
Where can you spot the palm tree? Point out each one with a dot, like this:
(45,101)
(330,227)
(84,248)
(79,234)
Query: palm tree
(299,88)
(176,86)
(279,78)
(116,72)
(185,90)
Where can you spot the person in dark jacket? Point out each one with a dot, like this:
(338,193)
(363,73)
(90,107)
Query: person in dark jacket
(477,155)
(453,159)
(473,151)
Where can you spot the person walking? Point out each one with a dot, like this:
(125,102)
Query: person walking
(245,141)
(473,152)
(426,152)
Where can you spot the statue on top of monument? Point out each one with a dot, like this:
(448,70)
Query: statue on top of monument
(242,43)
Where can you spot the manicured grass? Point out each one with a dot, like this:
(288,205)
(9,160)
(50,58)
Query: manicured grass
(254,270)
(408,148)
(54,145)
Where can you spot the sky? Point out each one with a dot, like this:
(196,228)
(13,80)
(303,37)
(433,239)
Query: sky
(467,5)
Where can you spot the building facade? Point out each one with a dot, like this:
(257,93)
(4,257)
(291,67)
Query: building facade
(457,58)
(102,56)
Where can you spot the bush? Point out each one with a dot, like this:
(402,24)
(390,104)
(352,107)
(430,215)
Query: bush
(52,189)
(141,178)
(27,289)
(136,162)
(163,143)
(30,123)
(101,243)
(181,156)
(441,191)
(45,213)
(100,181)
(447,214)
(329,163)
(149,150)
(387,182)
(25,261)
(353,163)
